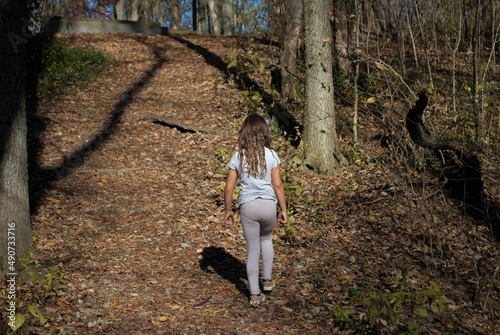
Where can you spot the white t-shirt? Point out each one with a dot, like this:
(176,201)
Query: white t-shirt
(252,188)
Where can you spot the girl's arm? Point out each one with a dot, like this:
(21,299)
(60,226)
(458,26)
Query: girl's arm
(232,177)
(280,193)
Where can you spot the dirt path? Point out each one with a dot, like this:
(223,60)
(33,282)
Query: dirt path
(132,218)
(129,211)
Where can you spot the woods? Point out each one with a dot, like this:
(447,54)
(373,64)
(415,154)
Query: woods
(384,113)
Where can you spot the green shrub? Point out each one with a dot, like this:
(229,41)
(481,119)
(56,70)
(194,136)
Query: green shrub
(66,68)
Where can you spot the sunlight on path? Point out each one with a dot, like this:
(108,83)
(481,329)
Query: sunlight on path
(136,226)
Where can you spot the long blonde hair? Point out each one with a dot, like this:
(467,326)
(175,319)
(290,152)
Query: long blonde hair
(253,139)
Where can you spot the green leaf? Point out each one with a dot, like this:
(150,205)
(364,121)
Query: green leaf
(421,312)
(414,329)
(37,314)
(232,63)
(19,321)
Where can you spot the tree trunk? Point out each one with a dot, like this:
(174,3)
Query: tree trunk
(175,14)
(356,73)
(227,17)
(371,19)
(214,17)
(203,16)
(342,34)
(119,10)
(420,18)
(320,136)
(290,48)
(158,10)
(15,229)
(381,21)
(134,10)
(194,13)
(145,11)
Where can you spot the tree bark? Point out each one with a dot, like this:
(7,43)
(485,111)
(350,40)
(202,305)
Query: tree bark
(175,14)
(134,10)
(290,48)
(119,10)
(320,136)
(194,13)
(227,17)
(203,16)
(356,72)
(145,11)
(214,17)
(15,227)
(342,33)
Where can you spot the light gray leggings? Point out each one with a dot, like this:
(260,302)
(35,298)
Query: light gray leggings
(258,218)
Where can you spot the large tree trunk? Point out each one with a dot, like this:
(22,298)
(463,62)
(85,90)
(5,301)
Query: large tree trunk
(320,136)
(15,229)
(295,11)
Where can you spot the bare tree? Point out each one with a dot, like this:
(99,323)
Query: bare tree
(133,10)
(342,33)
(203,25)
(15,228)
(175,14)
(290,48)
(227,17)
(213,12)
(358,6)
(320,142)
(420,19)
(119,10)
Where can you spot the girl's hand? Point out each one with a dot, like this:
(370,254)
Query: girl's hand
(282,217)
(229,217)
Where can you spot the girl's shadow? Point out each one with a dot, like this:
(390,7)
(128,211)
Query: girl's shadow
(218,260)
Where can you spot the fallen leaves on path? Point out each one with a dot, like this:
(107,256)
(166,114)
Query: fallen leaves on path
(131,215)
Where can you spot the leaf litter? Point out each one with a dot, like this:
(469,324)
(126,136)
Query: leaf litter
(135,223)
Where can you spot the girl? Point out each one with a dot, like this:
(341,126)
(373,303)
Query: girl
(257,166)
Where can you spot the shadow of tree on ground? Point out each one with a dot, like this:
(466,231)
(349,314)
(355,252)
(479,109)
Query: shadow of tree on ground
(286,120)
(40,179)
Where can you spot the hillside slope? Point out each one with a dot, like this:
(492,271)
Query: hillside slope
(128,218)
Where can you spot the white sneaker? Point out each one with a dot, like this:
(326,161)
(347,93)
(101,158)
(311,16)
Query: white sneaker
(256,299)
(268,285)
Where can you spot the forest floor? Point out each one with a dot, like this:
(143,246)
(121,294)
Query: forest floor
(127,218)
